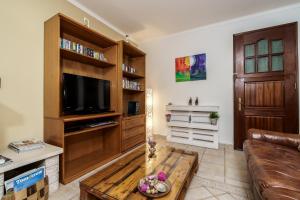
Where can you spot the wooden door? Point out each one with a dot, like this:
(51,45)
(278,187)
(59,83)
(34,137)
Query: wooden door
(265,81)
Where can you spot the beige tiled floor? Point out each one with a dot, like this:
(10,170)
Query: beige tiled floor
(222,175)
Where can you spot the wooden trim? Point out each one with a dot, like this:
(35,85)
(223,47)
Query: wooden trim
(71,118)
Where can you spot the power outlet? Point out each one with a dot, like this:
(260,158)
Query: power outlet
(86,22)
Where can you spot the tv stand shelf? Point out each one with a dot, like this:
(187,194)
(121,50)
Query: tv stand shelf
(71,118)
(92,129)
(84,59)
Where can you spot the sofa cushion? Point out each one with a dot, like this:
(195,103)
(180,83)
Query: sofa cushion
(280,194)
(273,166)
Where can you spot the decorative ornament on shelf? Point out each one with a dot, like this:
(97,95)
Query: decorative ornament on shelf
(196,101)
(152,148)
(127,38)
(214,116)
(86,22)
(190,101)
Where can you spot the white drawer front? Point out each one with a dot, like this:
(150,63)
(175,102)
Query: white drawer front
(200,119)
(179,118)
(180,132)
(204,135)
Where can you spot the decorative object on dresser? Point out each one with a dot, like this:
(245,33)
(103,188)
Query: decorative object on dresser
(214,116)
(190,101)
(47,157)
(191,125)
(196,101)
(132,99)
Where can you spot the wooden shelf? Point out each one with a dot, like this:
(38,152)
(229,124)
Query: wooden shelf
(132,75)
(71,118)
(78,167)
(131,50)
(79,30)
(133,116)
(132,90)
(87,130)
(70,55)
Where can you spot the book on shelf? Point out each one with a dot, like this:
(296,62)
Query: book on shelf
(4,161)
(26,145)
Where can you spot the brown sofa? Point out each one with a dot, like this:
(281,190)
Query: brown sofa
(273,161)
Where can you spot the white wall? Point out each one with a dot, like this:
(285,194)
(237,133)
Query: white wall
(217,42)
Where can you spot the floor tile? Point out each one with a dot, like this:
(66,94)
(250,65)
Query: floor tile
(197,194)
(215,152)
(219,160)
(226,197)
(215,191)
(236,174)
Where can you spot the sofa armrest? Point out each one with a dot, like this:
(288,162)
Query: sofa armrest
(286,139)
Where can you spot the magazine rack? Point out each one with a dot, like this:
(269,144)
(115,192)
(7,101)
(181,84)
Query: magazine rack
(38,191)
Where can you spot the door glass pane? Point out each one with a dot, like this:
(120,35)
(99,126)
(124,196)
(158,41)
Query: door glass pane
(249,50)
(263,64)
(277,63)
(262,47)
(277,46)
(250,65)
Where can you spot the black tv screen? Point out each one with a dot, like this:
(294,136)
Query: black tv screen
(85,95)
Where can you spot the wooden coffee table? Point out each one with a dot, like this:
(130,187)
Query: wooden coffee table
(119,180)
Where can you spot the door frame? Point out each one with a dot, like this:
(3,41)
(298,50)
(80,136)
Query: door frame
(237,114)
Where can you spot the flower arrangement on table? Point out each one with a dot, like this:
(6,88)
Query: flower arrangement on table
(155,185)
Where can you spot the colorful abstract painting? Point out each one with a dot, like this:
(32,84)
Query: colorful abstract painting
(191,68)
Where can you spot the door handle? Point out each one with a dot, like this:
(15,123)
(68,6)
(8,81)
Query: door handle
(240,103)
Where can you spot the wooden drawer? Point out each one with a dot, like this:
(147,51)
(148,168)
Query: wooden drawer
(133,141)
(128,133)
(132,122)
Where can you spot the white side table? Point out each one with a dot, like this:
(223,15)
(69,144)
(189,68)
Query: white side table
(49,157)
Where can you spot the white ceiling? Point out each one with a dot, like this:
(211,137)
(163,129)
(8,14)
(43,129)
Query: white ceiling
(146,19)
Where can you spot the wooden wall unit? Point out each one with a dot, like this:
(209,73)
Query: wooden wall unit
(89,148)
(133,127)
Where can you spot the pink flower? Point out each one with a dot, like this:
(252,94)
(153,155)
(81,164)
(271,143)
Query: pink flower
(144,187)
(162,176)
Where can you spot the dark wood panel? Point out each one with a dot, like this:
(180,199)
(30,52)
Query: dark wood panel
(264,94)
(266,123)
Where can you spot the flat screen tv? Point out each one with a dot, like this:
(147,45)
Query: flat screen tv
(85,95)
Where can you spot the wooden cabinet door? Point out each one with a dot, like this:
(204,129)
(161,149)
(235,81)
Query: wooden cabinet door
(265,81)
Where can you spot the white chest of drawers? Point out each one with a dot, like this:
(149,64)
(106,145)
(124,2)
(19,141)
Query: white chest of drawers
(191,125)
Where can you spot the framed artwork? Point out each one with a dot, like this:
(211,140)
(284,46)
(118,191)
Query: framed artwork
(191,68)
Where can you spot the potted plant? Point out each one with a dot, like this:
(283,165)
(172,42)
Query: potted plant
(214,116)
